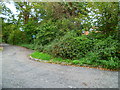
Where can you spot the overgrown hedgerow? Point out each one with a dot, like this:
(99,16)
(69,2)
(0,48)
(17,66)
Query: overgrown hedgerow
(91,51)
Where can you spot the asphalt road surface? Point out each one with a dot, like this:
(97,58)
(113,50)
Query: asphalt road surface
(18,71)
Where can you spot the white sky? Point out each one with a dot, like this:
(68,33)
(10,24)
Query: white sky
(12,7)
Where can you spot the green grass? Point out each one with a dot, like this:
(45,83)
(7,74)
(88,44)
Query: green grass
(82,62)
(30,46)
(57,59)
(40,55)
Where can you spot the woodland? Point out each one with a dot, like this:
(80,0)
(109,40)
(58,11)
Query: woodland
(79,33)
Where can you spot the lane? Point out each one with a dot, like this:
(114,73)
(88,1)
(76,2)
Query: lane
(21,72)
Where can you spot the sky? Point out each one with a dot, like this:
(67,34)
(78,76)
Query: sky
(11,6)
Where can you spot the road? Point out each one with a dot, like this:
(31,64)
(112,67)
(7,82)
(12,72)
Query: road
(18,71)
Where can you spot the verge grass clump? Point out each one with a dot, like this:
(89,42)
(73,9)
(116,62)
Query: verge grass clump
(30,46)
(40,55)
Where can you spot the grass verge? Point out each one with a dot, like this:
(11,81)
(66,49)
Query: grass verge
(43,56)
(81,62)
(30,46)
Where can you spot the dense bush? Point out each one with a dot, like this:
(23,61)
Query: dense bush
(56,28)
(47,33)
(65,25)
(16,37)
(88,50)
(75,47)
(6,31)
(50,31)
(71,46)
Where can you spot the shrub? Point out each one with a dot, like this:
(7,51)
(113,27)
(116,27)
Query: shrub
(106,47)
(86,49)
(16,37)
(50,31)
(47,33)
(71,46)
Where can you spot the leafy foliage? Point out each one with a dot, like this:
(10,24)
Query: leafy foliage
(71,46)
(46,34)
(86,61)
(107,13)
(87,50)
(57,29)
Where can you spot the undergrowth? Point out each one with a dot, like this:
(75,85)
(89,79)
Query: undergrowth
(29,46)
(81,62)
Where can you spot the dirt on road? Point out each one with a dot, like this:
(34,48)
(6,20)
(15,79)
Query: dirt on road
(18,71)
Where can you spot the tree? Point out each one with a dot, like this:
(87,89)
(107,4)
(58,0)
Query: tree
(106,14)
